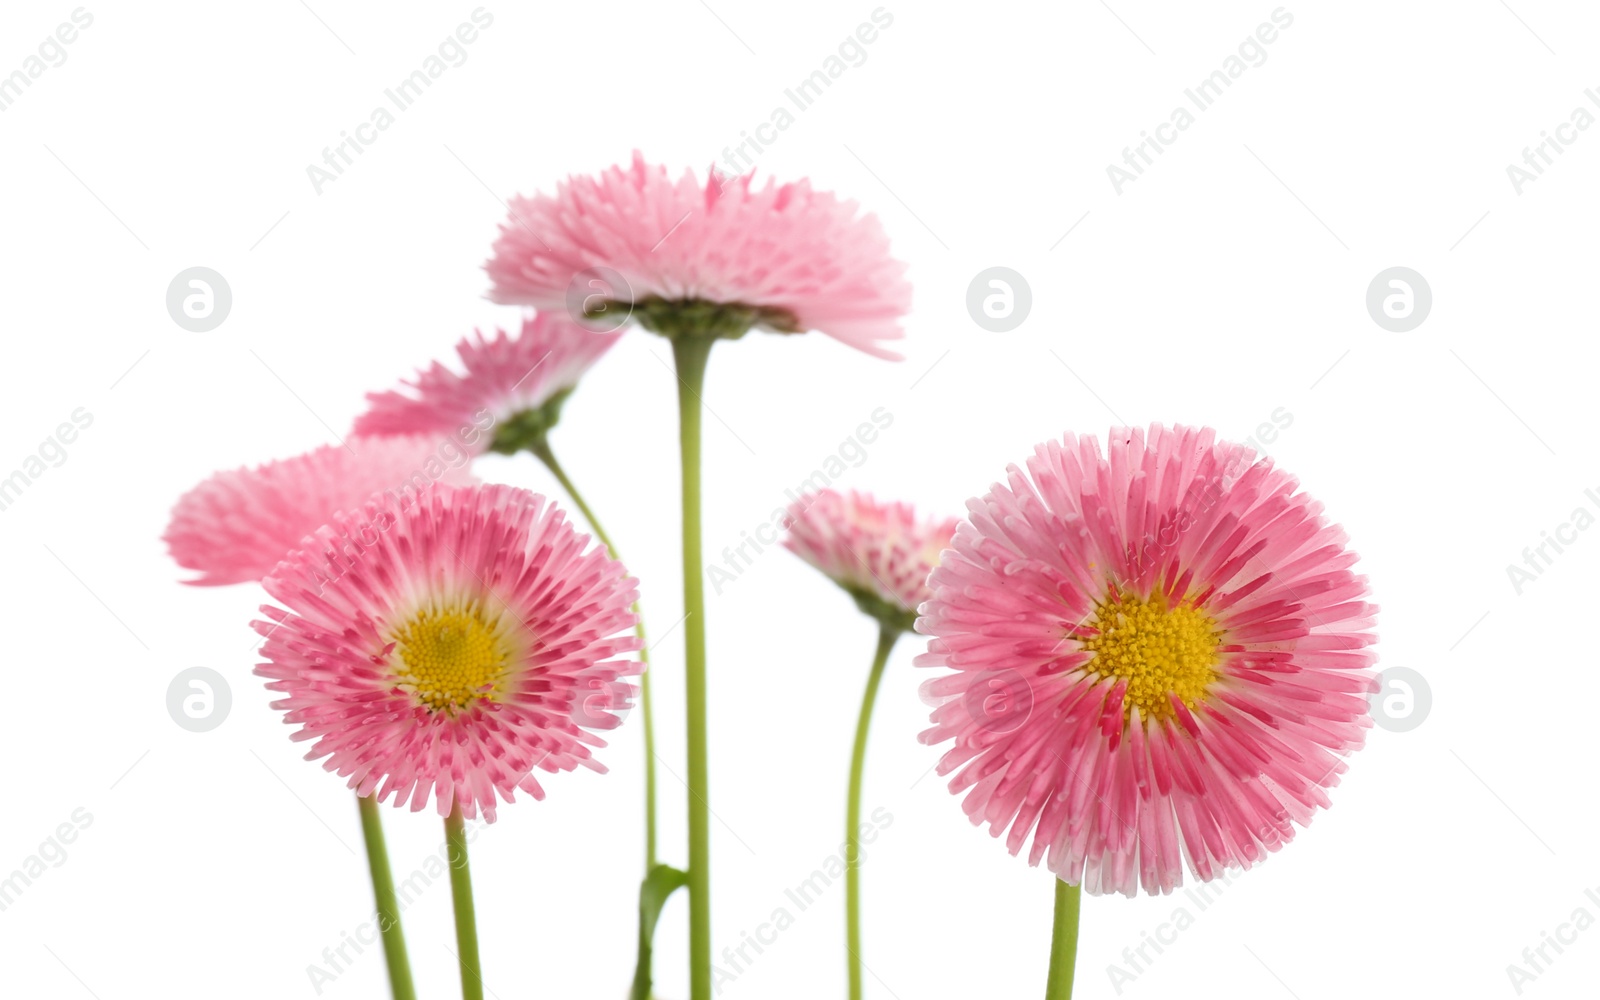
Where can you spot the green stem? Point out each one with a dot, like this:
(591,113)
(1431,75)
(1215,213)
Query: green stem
(690,355)
(858,757)
(1063,943)
(643,975)
(657,887)
(541,450)
(394,940)
(643,985)
(461,893)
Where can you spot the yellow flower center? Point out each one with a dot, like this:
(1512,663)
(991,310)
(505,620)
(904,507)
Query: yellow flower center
(1161,650)
(450,657)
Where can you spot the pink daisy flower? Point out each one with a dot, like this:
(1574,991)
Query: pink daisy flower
(1160,655)
(703,259)
(470,640)
(512,385)
(880,553)
(235,526)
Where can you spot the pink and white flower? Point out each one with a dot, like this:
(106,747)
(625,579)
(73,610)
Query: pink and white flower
(783,257)
(1159,655)
(881,553)
(236,525)
(472,638)
(505,381)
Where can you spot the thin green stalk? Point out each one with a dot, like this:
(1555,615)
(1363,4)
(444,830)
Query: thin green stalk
(858,757)
(1063,943)
(394,940)
(455,835)
(541,450)
(650,905)
(690,355)
(657,887)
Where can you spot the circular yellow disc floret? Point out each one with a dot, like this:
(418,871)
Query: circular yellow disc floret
(449,657)
(1161,650)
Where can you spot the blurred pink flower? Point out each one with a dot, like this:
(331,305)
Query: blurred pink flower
(236,525)
(475,638)
(506,381)
(879,552)
(782,257)
(1160,654)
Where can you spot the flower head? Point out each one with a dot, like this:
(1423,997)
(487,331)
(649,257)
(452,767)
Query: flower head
(711,259)
(467,639)
(1159,654)
(517,384)
(880,553)
(235,526)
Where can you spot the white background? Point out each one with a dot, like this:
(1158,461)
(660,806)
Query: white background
(1225,283)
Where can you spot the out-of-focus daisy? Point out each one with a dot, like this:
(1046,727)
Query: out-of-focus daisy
(706,260)
(1160,654)
(478,638)
(514,385)
(881,554)
(697,263)
(236,525)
